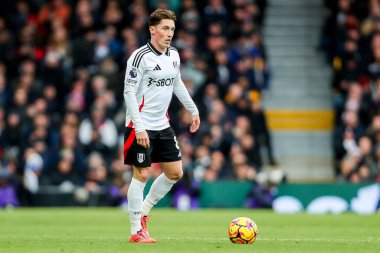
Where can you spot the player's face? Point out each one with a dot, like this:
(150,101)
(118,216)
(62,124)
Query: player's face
(162,34)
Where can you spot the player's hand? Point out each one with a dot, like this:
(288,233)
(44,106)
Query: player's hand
(142,139)
(195,124)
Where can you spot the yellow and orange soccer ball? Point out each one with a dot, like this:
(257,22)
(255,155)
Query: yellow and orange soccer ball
(243,230)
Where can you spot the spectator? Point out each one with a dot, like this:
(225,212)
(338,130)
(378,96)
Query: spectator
(61,61)
(352,44)
(260,129)
(8,188)
(4,93)
(97,173)
(118,189)
(98,133)
(12,133)
(64,173)
(32,171)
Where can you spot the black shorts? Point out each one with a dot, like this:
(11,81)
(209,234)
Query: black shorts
(163,148)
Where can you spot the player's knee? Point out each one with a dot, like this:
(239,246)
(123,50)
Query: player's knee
(176,175)
(144,178)
(142,175)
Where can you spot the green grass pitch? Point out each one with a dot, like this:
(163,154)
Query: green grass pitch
(107,230)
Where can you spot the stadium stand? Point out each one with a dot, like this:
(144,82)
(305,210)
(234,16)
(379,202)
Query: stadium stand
(61,104)
(351,42)
(299,102)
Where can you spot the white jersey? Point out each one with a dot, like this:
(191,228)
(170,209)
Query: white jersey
(151,78)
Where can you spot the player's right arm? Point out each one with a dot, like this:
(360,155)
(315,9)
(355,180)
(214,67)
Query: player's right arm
(132,82)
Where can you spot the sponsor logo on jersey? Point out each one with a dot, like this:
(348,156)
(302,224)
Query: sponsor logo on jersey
(160,82)
(140,157)
(175,64)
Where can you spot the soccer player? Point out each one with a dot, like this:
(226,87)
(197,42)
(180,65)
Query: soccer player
(152,75)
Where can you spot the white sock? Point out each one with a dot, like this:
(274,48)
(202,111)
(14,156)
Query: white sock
(160,187)
(135,200)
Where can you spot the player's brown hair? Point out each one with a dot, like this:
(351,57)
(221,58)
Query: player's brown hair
(159,14)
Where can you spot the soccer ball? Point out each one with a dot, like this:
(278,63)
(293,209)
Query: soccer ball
(243,230)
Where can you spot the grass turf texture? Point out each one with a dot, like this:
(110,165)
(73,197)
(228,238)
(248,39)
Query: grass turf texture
(107,230)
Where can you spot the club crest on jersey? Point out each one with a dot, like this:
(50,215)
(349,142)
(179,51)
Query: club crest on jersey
(175,64)
(140,157)
(133,73)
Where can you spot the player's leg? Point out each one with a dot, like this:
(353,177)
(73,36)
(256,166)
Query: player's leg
(139,157)
(169,155)
(172,172)
(136,197)
(135,201)
(167,152)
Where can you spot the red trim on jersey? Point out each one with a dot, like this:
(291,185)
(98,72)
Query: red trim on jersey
(142,104)
(129,142)
(167,116)
(140,108)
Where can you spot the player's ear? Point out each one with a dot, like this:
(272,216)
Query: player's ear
(152,30)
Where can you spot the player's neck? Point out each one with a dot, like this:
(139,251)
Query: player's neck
(157,46)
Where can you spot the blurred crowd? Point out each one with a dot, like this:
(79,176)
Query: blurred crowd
(62,114)
(351,40)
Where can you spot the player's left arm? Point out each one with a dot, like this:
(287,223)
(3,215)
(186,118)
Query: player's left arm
(183,95)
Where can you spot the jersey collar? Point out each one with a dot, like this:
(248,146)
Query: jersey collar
(155,51)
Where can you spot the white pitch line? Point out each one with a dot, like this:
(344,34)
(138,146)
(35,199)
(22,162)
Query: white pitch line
(343,240)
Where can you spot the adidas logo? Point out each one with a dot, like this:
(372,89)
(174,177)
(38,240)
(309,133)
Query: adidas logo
(157,67)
